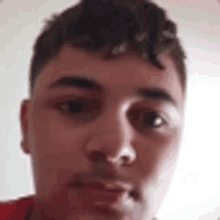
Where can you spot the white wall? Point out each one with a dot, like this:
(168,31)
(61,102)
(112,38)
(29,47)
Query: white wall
(195,190)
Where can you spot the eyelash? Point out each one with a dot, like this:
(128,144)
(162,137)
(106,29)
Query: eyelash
(79,108)
(135,115)
(69,111)
(164,122)
(138,115)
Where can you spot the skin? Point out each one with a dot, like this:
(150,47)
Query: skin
(61,146)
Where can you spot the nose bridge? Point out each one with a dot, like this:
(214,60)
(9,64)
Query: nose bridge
(115,124)
(113,136)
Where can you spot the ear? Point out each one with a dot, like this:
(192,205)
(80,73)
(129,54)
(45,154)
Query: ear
(24,121)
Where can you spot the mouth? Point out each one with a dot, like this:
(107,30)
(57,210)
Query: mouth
(115,194)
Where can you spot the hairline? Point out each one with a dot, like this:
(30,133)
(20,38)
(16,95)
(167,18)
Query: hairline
(58,52)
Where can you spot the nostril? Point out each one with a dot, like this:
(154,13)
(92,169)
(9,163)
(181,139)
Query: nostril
(125,159)
(97,156)
(78,185)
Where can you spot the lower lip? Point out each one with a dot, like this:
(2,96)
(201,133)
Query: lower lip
(103,196)
(118,200)
(105,202)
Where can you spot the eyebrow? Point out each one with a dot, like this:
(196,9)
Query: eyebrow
(79,82)
(157,94)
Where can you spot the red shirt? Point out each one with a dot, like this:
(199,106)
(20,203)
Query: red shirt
(20,209)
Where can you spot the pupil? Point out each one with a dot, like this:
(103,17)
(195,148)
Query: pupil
(152,119)
(75,107)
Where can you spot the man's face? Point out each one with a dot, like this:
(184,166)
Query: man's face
(92,122)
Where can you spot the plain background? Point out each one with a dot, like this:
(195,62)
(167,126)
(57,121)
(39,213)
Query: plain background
(195,189)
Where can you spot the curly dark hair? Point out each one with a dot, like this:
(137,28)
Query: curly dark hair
(112,26)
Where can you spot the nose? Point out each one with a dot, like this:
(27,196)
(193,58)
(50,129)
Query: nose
(112,139)
(108,149)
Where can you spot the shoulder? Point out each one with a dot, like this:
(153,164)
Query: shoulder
(18,200)
(15,207)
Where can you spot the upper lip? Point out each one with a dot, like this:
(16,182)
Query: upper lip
(114,186)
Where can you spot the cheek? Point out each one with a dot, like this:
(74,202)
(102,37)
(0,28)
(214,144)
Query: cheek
(156,163)
(55,141)
(155,153)
(56,150)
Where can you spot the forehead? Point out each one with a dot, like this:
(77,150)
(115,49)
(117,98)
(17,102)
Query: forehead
(125,72)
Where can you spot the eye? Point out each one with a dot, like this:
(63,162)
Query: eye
(73,107)
(147,119)
(81,108)
(152,120)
